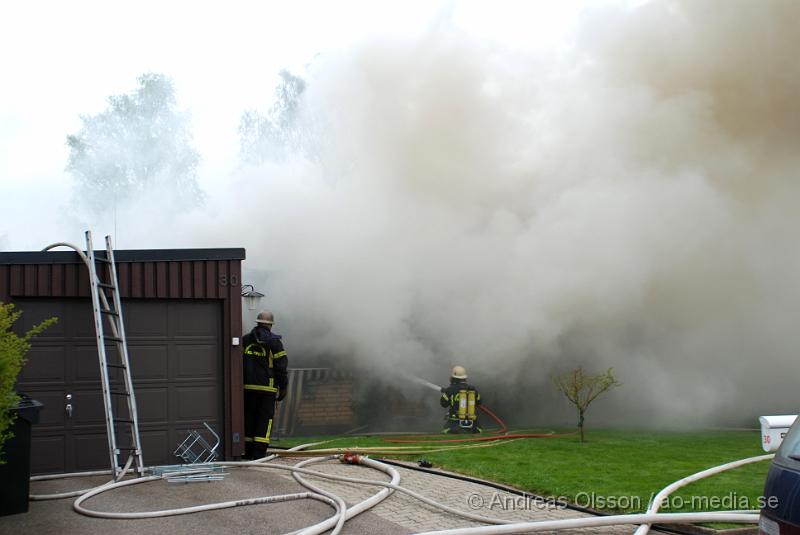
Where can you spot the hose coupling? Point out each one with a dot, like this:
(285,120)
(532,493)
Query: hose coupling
(350,458)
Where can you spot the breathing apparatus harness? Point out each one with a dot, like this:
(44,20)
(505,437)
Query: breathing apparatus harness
(463,403)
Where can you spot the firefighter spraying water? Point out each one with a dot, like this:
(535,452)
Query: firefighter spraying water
(423,382)
(462,400)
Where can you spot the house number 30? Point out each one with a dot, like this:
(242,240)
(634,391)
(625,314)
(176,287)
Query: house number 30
(225,280)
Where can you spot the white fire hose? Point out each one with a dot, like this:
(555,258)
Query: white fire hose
(575,523)
(342,513)
(645,519)
(672,487)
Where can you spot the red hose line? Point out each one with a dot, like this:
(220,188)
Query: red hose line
(501,434)
(479,439)
(503,427)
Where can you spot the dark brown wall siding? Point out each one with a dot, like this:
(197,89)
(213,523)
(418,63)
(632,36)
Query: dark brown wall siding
(149,279)
(231,291)
(197,279)
(188,280)
(174,279)
(44,277)
(71,272)
(58,280)
(29,280)
(162,283)
(211,279)
(4,282)
(137,282)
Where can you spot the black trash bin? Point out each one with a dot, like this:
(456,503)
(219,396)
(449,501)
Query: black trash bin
(15,473)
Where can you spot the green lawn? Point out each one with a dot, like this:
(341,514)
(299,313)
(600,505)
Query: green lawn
(615,471)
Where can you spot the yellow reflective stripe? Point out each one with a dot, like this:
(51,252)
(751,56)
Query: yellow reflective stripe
(262,387)
(258,351)
(265,440)
(279,354)
(248,439)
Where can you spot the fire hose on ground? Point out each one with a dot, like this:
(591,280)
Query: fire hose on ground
(356,456)
(299,451)
(342,513)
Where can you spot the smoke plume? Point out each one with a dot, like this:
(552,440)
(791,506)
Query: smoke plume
(627,199)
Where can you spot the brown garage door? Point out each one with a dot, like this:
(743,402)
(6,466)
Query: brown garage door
(176,361)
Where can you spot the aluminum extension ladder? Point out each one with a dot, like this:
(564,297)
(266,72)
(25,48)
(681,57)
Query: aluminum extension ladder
(101,290)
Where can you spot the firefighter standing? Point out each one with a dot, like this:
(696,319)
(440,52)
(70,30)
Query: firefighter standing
(265,382)
(462,401)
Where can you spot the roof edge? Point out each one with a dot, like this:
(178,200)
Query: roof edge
(123,255)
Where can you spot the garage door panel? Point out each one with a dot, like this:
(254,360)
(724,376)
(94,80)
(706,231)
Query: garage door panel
(86,364)
(157,447)
(176,363)
(199,403)
(144,320)
(197,361)
(81,320)
(87,408)
(46,364)
(149,362)
(195,320)
(54,413)
(91,451)
(34,312)
(48,453)
(152,405)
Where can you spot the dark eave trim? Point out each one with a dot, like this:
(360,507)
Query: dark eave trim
(123,255)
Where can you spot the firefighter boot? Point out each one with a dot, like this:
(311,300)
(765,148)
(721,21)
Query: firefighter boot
(259,450)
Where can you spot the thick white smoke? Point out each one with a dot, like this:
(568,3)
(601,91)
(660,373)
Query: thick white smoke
(628,200)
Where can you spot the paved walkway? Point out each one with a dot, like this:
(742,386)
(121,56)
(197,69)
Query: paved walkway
(57,517)
(470,497)
(399,514)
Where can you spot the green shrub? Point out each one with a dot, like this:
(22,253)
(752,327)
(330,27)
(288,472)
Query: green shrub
(13,349)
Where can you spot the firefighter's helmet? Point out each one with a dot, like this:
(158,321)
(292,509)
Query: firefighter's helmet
(459,372)
(265,318)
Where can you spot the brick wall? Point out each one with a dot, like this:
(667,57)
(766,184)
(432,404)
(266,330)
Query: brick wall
(320,401)
(326,404)
(325,401)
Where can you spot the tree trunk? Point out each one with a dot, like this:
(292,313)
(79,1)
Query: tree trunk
(580,424)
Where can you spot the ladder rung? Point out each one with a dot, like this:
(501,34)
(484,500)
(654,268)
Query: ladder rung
(113,338)
(109,312)
(118,393)
(120,366)
(101,259)
(106,285)
(123,421)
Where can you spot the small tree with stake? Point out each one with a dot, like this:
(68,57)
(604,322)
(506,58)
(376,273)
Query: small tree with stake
(12,357)
(581,389)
